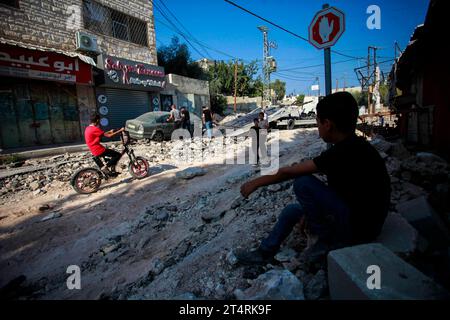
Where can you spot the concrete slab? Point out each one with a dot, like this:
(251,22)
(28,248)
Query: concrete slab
(398,235)
(419,213)
(348,276)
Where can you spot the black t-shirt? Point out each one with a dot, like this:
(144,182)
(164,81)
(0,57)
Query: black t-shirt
(357,173)
(207,114)
(185,117)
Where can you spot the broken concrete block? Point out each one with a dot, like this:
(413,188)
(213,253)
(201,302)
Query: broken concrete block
(190,173)
(398,235)
(381,145)
(353,273)
(52,215)
(273,285)
(211,216)
(285,255)
(419,213)
(274,188)
(317,286)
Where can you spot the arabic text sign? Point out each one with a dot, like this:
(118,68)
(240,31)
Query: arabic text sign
(123,72)
(21,62)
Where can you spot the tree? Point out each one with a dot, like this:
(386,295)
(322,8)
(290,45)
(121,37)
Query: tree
(360,97)
(222,78)
(300,99)
(280,89)
(175,58)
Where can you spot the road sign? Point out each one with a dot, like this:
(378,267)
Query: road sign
(326,27)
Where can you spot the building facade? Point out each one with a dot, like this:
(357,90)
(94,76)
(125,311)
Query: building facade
(61,60)
(421,74)
(186,92)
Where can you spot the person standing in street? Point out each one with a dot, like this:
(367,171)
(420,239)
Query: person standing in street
(185,120)
(175,117)
(263,125)
(207,118)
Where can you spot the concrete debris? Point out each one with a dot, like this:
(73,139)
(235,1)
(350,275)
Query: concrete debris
(372,271)
(51,216)
(317,287)
(419,213)
(273,285)
(398,235)
(190,173)
(286,254)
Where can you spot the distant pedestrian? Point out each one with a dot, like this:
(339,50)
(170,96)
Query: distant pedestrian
(263,126)
(255,142)
(185,119)
(207,118)
(175,117)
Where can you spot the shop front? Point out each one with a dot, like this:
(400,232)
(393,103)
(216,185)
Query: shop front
(38,96)
(126,89)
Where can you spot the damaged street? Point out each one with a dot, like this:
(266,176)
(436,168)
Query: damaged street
(133,243)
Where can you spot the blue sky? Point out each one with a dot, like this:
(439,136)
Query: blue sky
(229,30)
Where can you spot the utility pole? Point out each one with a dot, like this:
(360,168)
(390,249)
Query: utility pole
(267,68)
(327,61)
(235,84)
(337,84)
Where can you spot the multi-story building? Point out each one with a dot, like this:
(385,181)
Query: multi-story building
(62,59)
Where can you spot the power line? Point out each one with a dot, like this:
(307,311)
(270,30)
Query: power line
(200,43)
(170,22)
(286,30)
(182,26)
(318,65)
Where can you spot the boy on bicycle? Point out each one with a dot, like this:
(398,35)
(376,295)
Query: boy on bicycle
(93,135)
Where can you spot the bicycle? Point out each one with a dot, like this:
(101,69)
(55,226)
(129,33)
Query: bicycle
(88,180)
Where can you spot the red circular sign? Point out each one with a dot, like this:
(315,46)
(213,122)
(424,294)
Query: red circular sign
(326,27)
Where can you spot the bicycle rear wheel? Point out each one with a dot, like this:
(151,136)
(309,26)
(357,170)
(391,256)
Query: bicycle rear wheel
(86,180)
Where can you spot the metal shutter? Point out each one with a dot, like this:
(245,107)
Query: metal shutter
(124,105)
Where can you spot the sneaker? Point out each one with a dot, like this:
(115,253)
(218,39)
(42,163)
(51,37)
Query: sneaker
(257,256)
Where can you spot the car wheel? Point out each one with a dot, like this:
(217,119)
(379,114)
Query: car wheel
(159,136)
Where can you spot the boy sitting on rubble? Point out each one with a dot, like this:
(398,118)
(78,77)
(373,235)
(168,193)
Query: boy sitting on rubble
(351,209)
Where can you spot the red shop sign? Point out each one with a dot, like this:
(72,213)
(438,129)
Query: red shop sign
(44,65)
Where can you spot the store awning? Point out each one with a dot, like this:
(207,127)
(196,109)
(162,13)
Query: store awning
(71,54)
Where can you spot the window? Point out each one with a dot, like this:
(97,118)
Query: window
(11,3)
(110,22)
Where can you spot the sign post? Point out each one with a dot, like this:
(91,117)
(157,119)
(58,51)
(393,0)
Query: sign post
(325,29)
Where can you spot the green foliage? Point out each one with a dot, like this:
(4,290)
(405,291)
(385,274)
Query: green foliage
(218,103)
(175,58)
(300,99)
(221,79)
(360,97)
(280,89)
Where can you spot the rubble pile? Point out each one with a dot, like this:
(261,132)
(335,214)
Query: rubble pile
(57,170)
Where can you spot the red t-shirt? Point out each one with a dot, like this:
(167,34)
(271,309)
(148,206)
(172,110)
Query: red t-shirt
(92,135)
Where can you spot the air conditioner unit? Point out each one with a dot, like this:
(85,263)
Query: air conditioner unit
(86,42)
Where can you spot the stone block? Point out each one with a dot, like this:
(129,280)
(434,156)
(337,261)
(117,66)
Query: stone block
(350,279)
(419,213)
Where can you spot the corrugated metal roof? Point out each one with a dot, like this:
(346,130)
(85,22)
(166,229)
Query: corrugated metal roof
(82,57)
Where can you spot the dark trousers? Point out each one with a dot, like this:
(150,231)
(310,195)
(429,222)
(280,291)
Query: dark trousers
(113,155)
(327,216)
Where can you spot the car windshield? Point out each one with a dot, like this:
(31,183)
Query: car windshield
(148,117)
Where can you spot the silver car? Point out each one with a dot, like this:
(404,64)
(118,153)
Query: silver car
(154,126)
